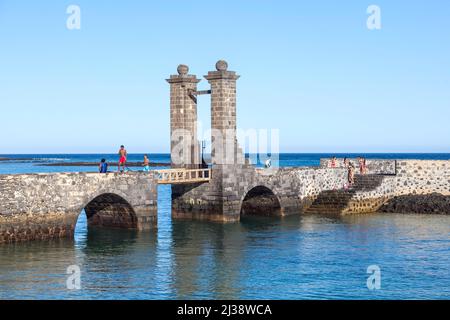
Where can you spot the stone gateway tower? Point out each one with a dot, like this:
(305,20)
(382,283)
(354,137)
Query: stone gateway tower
(223,114)
(234,188)
(184,148)
(214,200)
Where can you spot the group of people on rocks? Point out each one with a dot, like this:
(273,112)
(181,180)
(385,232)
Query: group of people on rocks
(122,166)
(351,167)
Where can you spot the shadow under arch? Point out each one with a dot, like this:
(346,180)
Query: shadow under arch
(110,210)
(260,201)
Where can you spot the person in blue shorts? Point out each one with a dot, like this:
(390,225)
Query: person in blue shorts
(103,166)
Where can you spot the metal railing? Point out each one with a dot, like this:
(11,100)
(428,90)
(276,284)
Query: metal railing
(179,176)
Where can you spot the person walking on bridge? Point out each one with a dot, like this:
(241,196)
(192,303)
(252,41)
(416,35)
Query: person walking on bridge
(122,158)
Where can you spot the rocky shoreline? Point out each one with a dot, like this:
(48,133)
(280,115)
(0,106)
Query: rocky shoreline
(433,203)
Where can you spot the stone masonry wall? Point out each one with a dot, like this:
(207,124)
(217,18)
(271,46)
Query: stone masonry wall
(223,114)
(221,199)
(297,188)
(414,177)
(42,206)
(374,166)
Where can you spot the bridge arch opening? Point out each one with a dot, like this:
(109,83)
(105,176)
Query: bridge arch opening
(109,210)
(260,201)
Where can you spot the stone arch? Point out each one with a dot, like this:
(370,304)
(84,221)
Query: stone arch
(261,201)
(109,209)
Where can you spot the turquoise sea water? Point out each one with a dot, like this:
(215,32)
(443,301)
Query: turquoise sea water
(301,257)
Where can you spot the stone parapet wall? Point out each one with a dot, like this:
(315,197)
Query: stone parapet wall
(422,177)
(374,166)
(316,180)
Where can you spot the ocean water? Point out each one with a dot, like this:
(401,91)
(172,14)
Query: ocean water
(298,257)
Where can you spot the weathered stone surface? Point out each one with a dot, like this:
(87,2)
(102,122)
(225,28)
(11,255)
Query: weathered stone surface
(319,190)
(41,206)
(374,166)
(412,177)
(223,197)
(183,119)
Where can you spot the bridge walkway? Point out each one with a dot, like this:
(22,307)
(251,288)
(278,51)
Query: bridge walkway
(183,176)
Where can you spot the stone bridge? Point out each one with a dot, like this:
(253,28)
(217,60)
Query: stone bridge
(237,188)
(236,191)
(43,206)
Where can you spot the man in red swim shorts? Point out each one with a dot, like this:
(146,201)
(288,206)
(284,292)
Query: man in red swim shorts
(122,158)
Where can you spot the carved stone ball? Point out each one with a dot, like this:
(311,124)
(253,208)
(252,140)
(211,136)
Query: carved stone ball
(183,69)
(221,65)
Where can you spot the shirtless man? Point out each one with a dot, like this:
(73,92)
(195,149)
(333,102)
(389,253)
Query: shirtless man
(122,158)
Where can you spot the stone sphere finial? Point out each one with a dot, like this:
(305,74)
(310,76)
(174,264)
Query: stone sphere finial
(183,69)
(221,65)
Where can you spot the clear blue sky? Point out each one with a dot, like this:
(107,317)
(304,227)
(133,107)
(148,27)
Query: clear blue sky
(310,68)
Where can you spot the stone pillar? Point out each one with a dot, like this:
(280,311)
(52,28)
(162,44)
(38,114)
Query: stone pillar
(223,114)
(220,198)
(184,148)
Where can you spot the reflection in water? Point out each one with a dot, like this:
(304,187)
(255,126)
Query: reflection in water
(261,257)
(211,268)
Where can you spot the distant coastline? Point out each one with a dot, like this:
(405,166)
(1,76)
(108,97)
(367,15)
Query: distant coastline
(80,163)
(15,159)
(91,164)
